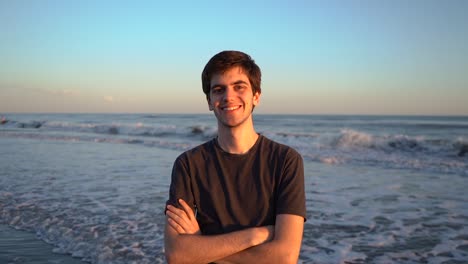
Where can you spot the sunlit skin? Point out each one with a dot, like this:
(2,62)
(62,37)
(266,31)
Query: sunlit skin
(232,100)
(185,216)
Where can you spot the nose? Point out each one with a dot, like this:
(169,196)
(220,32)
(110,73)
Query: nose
(228,94)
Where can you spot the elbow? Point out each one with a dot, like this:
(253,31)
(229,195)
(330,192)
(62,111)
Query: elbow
(171,255)
(171,258)
(289,257)
(280,252)
(172,252)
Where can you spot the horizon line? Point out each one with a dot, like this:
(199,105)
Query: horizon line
(3,114)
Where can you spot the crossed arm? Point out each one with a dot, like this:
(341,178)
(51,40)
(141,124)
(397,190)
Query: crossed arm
(184,242)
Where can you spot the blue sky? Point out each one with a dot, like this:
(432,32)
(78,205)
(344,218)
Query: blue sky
(317,57)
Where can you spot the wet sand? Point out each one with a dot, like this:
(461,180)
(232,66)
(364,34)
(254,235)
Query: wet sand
(18,246)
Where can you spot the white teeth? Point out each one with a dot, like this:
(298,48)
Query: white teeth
(230,108)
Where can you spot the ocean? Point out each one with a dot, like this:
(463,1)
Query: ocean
(379,189)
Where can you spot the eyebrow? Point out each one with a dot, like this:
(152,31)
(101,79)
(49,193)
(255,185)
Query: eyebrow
(233,83)
(240,82)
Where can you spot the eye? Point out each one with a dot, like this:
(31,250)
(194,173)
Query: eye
(239,87)
(216,90)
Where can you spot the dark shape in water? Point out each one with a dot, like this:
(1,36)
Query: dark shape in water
(113,130)
(463,151)
(197,130)
(3,120)
(33,124)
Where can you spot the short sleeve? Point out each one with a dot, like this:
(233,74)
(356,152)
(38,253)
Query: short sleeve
(181,187)
(291,193)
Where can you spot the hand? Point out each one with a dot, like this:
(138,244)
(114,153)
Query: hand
(183,220)
(266,234)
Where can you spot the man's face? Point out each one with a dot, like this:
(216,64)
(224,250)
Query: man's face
(231,97)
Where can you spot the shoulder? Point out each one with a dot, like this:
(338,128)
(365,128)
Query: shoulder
(278,149)
(196,153)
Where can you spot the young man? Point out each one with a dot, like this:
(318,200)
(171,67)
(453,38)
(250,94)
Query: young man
(238,198)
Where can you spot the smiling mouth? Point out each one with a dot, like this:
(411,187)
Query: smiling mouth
(231,108)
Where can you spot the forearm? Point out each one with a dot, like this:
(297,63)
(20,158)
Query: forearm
(284,248)
(271,252)
(182,248)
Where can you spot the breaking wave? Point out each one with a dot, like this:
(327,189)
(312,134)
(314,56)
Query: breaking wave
(444,153)
(392,151)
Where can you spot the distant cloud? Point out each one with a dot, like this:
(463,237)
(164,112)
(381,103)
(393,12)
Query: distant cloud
(109,99)
(68,92)
(62,92)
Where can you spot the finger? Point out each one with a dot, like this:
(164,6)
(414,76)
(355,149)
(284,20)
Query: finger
(177,223)
(188,210)
(173,216)
(181,219)
(175,226)
(176,211)
(176,217)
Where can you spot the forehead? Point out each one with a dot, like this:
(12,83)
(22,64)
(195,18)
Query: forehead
(229,76)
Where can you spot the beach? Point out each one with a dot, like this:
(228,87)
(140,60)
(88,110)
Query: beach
(92,188)
(24,247)
(87,202)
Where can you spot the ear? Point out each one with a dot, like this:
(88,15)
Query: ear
(256,99)
(210,107)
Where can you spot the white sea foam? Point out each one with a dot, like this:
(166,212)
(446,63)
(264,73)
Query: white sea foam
(418,149)
(373,195)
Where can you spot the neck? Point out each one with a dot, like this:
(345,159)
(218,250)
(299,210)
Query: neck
(236,140)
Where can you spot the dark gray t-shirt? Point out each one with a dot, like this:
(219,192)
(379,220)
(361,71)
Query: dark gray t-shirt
(231,192)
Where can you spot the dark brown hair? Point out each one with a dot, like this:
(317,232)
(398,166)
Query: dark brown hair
(226,60)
